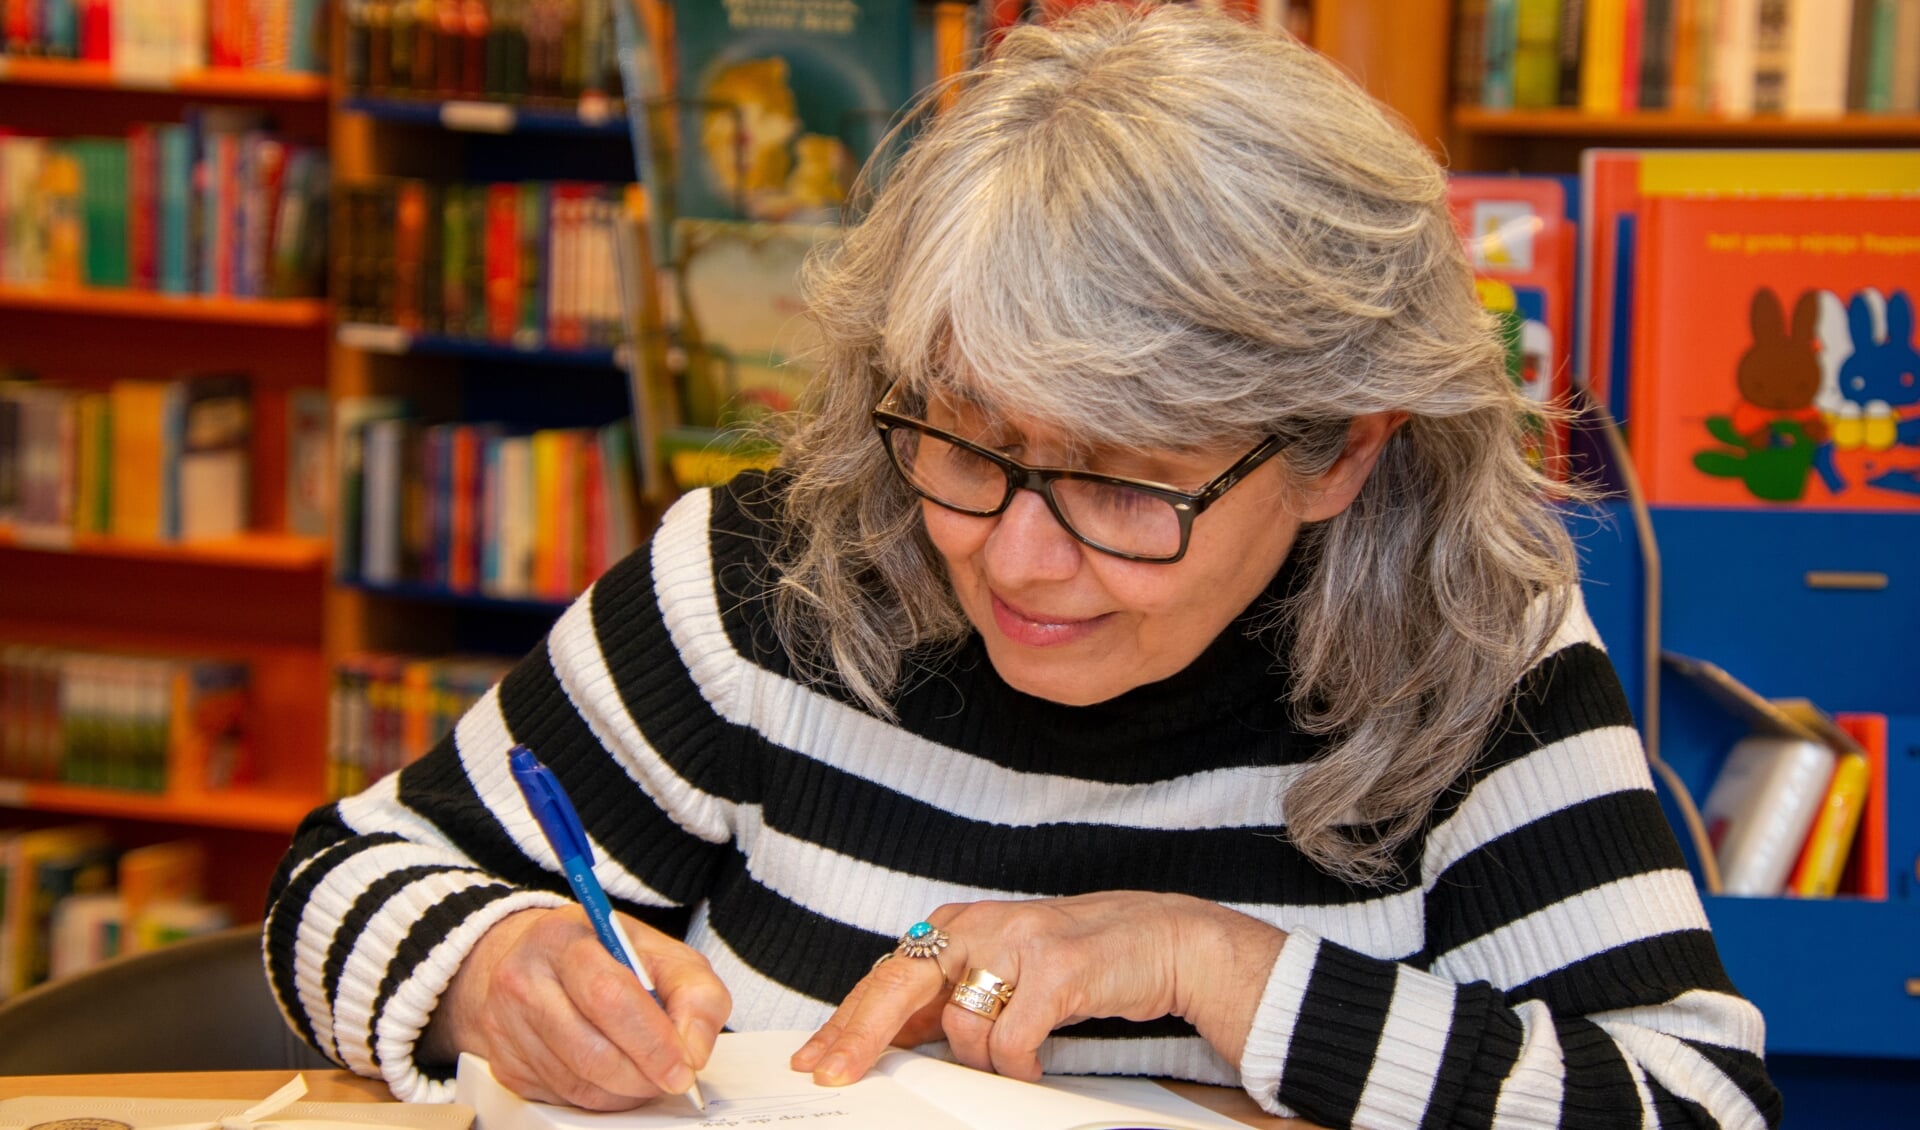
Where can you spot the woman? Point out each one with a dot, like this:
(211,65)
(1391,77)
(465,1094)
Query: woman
(1157,618)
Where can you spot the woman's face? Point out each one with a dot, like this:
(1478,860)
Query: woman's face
(1065,622)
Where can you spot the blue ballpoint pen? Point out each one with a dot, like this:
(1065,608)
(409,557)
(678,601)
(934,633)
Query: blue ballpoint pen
(561,824)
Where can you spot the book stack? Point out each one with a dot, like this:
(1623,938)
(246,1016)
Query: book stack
(1799,800)
(478,509)
(165,37)
(1727,57)
(387,711)
(70,899)
(529,264)
(151,724)
(215,204)
(532,52)
(146,460)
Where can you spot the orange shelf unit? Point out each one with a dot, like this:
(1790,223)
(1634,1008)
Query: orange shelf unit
(249,551)
(213,82)
(289,313)
(1665,124)
(238,808)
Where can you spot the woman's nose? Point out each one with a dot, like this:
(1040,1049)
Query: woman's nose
(1029,543)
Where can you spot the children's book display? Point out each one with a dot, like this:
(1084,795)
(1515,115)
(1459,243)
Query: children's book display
(1775,352)
(1520,240)
(756,118)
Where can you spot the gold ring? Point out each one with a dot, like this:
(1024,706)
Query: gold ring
(982,993)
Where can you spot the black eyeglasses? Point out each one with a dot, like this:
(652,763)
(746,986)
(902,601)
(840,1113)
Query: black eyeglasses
(1128,518)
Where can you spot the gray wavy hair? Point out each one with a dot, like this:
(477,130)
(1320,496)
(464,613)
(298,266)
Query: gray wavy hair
(1165,229)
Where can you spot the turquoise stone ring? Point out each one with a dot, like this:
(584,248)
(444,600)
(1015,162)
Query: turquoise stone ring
(922,939)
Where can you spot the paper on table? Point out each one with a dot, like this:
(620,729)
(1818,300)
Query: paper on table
(747,1083)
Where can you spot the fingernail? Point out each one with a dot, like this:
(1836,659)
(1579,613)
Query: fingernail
(680,1078)
(803,1059)
(834,1071)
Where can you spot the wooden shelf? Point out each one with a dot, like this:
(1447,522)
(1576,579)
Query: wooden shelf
(1665,124)
(249,551)
(287,313)
(236,808)
(492,117)
(396,342)
(214,82)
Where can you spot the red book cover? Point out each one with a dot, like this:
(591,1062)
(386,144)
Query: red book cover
(463,551)
(142,215)
(1775,357)
(1631,39)
(503,261)
(96,30)
(409,243)
(1866,874)
(564,265)
(1521,247)
(226,184)
(1610,188)
(593,505)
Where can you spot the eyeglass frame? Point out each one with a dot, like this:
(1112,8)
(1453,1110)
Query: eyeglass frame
(1187,505)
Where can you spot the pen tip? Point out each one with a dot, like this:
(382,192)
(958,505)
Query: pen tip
(693,1092)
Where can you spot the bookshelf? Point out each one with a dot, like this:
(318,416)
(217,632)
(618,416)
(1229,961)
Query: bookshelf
(255,597)
(1836,978)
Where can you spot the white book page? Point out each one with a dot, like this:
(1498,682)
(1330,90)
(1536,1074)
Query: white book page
(747,1083)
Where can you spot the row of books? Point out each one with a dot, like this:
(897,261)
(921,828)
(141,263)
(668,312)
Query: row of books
(149,460)
(140,722)
(553,52)
(70,899)
(386,711)
(476,508)
(214,205)
(529,264)
(165,37)
(1729,57)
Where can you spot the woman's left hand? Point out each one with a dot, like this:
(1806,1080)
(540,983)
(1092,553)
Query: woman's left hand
(1132,954)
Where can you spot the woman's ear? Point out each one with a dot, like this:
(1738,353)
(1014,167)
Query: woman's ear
(1336,488)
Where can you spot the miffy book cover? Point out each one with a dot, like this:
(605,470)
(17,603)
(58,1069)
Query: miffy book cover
(1775,359)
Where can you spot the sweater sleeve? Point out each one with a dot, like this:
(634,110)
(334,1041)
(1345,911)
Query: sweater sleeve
(1569,977)
(382,895)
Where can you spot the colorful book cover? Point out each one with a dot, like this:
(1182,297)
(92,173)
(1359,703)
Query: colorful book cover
(140,411)
(1866,866)
(1521,244)
(780,101)
(215,460)
(741,305)
(1775,356)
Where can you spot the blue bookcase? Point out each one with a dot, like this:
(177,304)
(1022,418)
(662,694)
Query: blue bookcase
(1817,605)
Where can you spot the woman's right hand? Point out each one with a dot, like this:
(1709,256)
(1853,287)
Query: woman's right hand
(561,1020)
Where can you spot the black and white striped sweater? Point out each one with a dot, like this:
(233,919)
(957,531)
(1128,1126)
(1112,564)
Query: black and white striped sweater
(1544,961)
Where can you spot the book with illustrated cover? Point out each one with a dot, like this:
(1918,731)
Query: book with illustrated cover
(1520,243)
(1775,352)
(780,101)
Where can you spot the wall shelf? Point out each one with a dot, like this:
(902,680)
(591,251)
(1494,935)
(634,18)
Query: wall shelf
(236,808)
(249,551)
(490,117)
(284,313)
(393,341)
(212,82)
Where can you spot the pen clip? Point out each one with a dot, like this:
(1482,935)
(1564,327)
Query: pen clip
(550,807)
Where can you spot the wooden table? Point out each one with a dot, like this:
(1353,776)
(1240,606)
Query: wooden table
(345,1087)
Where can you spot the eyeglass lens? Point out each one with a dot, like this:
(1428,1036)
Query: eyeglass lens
(1115,517)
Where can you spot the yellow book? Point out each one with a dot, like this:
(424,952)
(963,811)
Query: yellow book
(141,461)
(1817,874)
(1602,55)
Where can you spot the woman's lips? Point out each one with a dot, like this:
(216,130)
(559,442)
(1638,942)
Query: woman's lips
(1034,629)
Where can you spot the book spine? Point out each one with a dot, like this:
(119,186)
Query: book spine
(1816,874)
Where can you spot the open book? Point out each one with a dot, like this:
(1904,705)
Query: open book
(747,1083)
